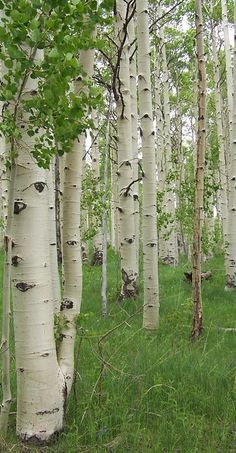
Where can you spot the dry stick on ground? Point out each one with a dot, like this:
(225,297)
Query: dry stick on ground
(98,383)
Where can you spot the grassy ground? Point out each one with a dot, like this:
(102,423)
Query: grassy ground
(151,392)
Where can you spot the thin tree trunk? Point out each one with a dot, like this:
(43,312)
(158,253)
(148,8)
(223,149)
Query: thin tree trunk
(197,325)
(55,280)
(97,240)
(231,249)
(70,306)
(6,308)
(125,169)
(150,249)
(104,216)
(171,247)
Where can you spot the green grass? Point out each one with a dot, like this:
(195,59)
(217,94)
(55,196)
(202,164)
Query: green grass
(159,393)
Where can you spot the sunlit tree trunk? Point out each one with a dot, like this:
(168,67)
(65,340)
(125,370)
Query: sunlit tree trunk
(125,168)
(150,248)
(40,384)
(199,177)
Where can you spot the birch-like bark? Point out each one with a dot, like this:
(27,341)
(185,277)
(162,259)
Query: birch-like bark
(229,71)
(171,257)
(134,126)
(84,213)
(6,308)
(220,133)
(70,306)
(55,280)
(160,155)
(114,203)
(197,326)
(231,249)
(40,384)
(125,168)
(98,238)
(150,249)
(104,217)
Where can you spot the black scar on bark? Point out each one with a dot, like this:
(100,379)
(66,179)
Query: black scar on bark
(19,206)
(16,260)
(21,370)
(52,411)
(72,242)
(66,304)
(24,286)
(39,186)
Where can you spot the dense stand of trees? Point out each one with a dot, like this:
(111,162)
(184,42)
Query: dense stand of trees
(118,124)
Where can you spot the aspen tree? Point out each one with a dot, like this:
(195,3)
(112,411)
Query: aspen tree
(124,11)
(171,247)
(134,121)
(6,308)
(114,202)
(56,288)
(197,326)
(220,133)
(231,249)
(40,384)
(97,240)
(70,306)
(150,249)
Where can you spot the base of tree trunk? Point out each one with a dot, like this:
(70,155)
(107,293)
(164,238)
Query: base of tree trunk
(97,258)
(128,294)
(197,330)
(40,439)
(169,260)
(230,284)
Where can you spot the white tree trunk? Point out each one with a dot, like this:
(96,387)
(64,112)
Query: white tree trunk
(125,169)
(56,287)
(97,240)
(150,249)
(70,306)
(231,250)
(221,137)
(171,257)
(134,125)
(40,384)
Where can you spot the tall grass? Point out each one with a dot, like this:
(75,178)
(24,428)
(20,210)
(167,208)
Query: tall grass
(151,392)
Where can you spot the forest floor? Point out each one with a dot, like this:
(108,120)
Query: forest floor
(144,392)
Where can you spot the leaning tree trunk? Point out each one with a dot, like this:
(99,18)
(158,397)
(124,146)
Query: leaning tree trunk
(150,250)
(199,181)
(231,249)
(125,158)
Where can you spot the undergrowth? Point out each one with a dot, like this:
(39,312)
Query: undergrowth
(150,392)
